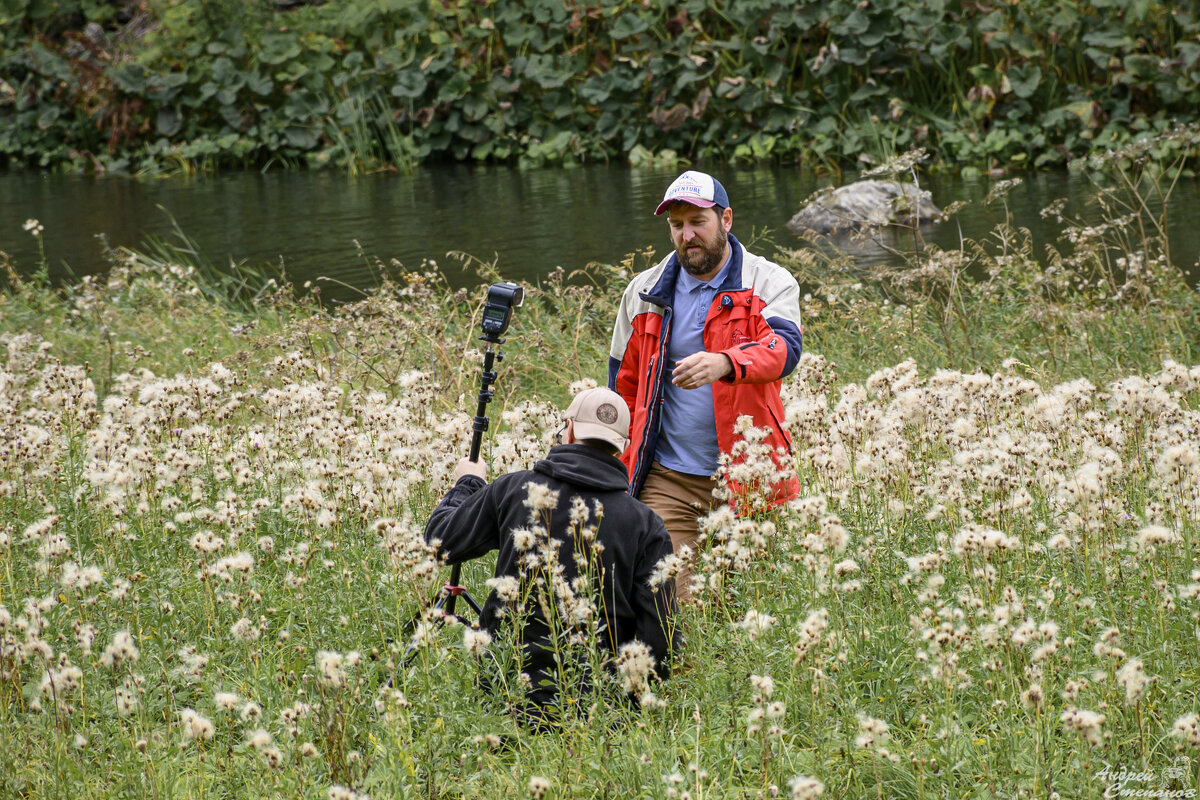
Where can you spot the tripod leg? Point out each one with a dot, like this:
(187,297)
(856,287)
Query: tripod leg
(451,589)
(445,603)
(471,602)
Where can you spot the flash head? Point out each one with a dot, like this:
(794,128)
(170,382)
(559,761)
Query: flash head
(502,298)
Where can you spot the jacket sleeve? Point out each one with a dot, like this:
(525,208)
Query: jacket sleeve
(466,521)
(622,356)
(657,625)
(778,339)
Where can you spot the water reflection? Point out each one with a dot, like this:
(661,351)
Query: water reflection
(321,224)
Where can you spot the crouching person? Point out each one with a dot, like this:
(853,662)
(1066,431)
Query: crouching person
(580,562)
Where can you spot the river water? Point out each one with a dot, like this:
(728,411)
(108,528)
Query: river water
(344,232)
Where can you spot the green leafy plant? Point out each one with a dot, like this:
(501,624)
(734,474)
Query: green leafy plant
(180,86)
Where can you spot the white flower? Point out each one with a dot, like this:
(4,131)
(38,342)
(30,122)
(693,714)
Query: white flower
(126,701)
(1187,728)
(226,701)
(667,568)
(635,665)
(763,684)
(809,635)
(1087,723)
(1132,678)
(976,539)
(1108,645)
(755,624)
(522,539)
(579,512)
(1149,537)
(846,567)
(331,669)
(245,630)
(538,787)
(1059,541)
(539,497)
(870,731)
(121,650)
(806,788)
(1032,697)
(476,641)
(259,739)
(506,587)
(195,726)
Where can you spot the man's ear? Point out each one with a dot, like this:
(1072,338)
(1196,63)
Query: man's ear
(727,219)
(570,438)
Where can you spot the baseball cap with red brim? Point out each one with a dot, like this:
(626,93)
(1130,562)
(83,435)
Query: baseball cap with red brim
(695,188)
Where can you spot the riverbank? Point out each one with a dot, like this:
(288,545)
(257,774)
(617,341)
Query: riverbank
(345,234)
(170,87)
(1112,266)
(214,490)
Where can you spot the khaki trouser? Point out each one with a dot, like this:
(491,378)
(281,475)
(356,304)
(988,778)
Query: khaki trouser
(680,499)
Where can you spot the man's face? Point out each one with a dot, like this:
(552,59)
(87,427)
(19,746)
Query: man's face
(700,237)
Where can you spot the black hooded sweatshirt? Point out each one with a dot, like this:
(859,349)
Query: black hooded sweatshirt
(475,518)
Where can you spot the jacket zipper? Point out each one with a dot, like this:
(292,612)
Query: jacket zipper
(653,382)
(649,380)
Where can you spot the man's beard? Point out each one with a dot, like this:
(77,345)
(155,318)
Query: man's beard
(706,261)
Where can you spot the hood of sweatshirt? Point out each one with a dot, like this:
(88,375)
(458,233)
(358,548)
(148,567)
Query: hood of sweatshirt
(585,466)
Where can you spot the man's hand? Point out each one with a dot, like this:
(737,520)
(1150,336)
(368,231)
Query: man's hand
(468,467)
(701,369)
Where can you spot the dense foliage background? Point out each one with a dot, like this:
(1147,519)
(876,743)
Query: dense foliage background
(166,85)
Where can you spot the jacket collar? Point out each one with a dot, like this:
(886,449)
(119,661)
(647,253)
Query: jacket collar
(662,293)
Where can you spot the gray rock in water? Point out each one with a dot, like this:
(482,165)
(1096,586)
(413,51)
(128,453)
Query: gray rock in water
(865,203)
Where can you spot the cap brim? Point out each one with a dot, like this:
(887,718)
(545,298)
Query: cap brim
(590,430)
(691,201)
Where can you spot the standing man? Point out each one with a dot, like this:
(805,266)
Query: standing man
(703,338)
(570,516)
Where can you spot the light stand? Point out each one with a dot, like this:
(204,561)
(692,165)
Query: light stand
(451,590)
(497,313)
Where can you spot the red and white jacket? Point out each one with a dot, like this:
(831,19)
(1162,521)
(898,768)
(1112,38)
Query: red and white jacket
(754,319)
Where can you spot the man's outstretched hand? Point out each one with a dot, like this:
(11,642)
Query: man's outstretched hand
(701,369)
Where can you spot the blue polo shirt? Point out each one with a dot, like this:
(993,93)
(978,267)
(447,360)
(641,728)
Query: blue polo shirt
(687,441)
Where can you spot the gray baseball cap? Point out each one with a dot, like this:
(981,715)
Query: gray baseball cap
(600,414)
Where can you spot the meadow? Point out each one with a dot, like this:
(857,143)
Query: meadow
(213,491)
